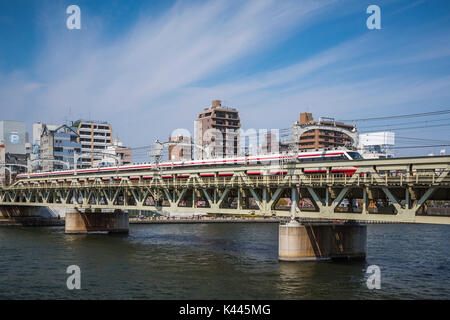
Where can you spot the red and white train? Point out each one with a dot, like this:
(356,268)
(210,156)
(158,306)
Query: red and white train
(311,156)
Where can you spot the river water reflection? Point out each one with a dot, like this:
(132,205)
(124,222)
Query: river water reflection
(217,261)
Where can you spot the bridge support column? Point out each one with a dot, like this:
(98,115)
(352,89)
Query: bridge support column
(84,222)
(294,202)
(325,241)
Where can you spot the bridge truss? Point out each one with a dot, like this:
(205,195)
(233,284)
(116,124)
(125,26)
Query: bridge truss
(390,190)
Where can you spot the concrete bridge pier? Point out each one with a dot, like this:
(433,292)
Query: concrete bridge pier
(321,241)
(85,222)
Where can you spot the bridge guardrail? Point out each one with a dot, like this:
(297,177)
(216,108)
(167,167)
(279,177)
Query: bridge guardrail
(426,179)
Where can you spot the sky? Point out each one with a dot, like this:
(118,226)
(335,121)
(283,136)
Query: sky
(149,67)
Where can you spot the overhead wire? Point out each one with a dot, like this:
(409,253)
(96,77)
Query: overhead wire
(285,133)
(411,115)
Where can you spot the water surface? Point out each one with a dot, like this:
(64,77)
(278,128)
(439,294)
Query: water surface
(217,261)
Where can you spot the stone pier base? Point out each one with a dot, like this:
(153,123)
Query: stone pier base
(85,222)
(315,242)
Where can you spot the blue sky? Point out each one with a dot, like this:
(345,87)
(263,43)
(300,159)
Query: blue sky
(149,67)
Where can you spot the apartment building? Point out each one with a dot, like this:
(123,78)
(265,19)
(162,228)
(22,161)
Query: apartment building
(217,131)
(94,136)
(323,134)
(58,144)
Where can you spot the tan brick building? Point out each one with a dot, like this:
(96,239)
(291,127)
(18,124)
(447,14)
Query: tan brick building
(217,129)
(323,134)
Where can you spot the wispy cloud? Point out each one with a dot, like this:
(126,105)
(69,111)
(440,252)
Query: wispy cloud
(146,80)
(153,59)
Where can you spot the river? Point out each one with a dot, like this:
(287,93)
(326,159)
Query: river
(217,261)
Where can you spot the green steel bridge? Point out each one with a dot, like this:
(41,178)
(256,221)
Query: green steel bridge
(412,190)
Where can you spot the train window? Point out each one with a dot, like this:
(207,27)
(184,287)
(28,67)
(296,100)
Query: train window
(335,158)
(355,155)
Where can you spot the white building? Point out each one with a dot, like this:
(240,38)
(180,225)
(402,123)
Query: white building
(35,143)
(375,145)
(95,137)
(37,131)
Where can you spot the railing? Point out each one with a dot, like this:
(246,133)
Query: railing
(420,178)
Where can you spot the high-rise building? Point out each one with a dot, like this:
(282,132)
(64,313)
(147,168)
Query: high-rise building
(217,131)
(59,144)
(323,134)
(95,137)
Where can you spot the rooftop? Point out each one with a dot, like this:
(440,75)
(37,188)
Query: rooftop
(88,121)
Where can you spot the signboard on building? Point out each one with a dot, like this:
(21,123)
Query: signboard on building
(14,138)
(13,135)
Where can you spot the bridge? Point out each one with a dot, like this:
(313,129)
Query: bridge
(389,190)
(411,190)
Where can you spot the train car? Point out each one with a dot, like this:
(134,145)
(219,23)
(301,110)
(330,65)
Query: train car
(303,157)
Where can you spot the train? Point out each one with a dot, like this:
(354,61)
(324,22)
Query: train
(302,157)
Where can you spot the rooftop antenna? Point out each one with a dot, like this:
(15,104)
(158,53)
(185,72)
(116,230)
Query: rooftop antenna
(65,120)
